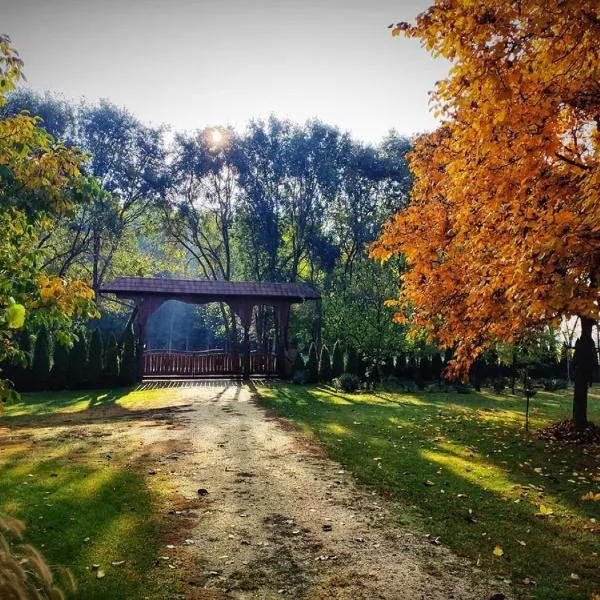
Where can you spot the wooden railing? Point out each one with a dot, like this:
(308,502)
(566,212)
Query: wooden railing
(199,364)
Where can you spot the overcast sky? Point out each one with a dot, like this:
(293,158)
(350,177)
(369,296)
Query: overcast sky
(193,63)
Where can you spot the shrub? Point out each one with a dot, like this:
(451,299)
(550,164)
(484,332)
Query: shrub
(351,361)
(95,362)
(299,378)
(19,371)
(325,365)
(462,388)
(390,382)
(400,366)
(437,366)
(337,363)
(312,365)
(111,362)
(41,363)
(78,359)
(298,363)
(499,385)
(552,385)
(347,383)
(59,378)
(128,375)
(425,369)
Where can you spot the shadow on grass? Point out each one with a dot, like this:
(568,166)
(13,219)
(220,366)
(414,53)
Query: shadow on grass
(444,454)
(81,509)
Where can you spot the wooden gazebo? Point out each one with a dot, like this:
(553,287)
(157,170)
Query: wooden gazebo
(148,294)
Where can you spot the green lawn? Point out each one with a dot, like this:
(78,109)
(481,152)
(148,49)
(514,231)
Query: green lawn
(84,499)
(460,466)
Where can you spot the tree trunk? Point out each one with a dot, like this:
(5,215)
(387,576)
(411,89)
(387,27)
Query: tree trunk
(583,367)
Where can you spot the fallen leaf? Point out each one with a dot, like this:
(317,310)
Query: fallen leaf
(100,574)
(522,543)
(544,511)
(498,551)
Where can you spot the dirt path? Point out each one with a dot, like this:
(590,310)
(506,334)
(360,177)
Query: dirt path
(277,519)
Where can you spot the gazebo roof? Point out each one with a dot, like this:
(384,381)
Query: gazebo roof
(209,290)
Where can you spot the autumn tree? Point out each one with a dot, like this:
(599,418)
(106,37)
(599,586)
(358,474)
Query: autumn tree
(503,231)
(39,179)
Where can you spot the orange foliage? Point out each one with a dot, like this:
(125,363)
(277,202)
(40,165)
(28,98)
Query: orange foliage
(503,231)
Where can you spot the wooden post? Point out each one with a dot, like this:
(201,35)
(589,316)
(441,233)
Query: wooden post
(243,309)
(145,306)
(282,318)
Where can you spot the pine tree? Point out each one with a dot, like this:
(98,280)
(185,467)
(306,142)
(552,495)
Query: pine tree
(325,365)
(78,361)
(42,361)
(111,362)
(337,364)
(312,365)
(59,379)
(129,367)
(95,366)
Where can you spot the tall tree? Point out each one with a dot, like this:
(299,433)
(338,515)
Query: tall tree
(502,232)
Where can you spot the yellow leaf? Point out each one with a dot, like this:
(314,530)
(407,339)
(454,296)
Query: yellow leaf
(544,511)
(498,551)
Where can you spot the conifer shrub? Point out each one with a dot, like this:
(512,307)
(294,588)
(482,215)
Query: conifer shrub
(96,360)
(42,361)
(352,361)
(59,379)
(128,374)
(78,363)
(325,365)
(436,367)
(298,363)
(400,366)
(312,366)
(337,362)
(111,362)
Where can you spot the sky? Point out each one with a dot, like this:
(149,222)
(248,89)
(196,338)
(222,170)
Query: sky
(196,63)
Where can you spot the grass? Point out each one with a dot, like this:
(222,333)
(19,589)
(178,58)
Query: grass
(461,467)
(84,499)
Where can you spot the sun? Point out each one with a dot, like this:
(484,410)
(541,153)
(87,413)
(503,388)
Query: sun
(216,136)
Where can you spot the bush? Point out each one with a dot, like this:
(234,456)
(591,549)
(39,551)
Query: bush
(298,363)
(128,375)
(325,365)
(59,378)
(95,362)
(41,364)
(552,385)
(312,365)
(111,362)
(437,367)
(78,360)
(351,361)
(499,385)
(462,388)
(400,366)
(347,382)
(425,369)
(390,382)
(299,378)
(337,363)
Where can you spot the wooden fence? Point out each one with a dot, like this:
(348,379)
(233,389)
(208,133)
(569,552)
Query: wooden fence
(199,364)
